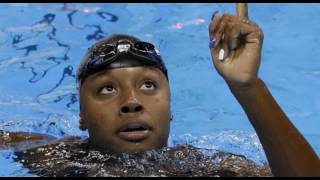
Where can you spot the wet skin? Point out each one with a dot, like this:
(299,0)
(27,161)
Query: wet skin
(126,109)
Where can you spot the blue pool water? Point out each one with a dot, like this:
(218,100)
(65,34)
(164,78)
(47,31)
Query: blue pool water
(41,46)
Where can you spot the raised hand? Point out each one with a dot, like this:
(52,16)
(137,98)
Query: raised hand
(236,44)
(236,52)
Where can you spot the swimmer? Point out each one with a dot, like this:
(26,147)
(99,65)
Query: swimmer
(125,105)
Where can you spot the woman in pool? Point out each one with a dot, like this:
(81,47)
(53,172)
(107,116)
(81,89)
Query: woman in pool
(125,97)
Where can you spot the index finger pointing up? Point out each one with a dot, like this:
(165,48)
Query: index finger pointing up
(242,10)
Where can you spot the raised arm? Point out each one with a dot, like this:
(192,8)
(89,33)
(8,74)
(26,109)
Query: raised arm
(236,44)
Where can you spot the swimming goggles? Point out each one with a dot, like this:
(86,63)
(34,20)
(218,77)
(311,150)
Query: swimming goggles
(105,54)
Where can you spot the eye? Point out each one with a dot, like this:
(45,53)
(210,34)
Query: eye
(108,89)
(148,85)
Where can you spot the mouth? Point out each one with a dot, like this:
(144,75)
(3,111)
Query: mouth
(134,131)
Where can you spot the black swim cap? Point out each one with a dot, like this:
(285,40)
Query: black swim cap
(119,51)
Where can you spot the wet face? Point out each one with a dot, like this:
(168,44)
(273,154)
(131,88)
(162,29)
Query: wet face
(126,109)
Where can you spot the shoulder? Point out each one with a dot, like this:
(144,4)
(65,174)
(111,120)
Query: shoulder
(21,140)
(216,163)
(58,158)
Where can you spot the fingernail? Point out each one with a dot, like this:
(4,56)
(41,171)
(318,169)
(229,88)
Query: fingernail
(221,54)
(212,43)
(212,38)
(212,17)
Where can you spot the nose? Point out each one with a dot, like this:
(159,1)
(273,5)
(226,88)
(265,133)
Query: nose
(131,107)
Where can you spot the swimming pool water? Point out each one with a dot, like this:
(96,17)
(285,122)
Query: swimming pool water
(41,46)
